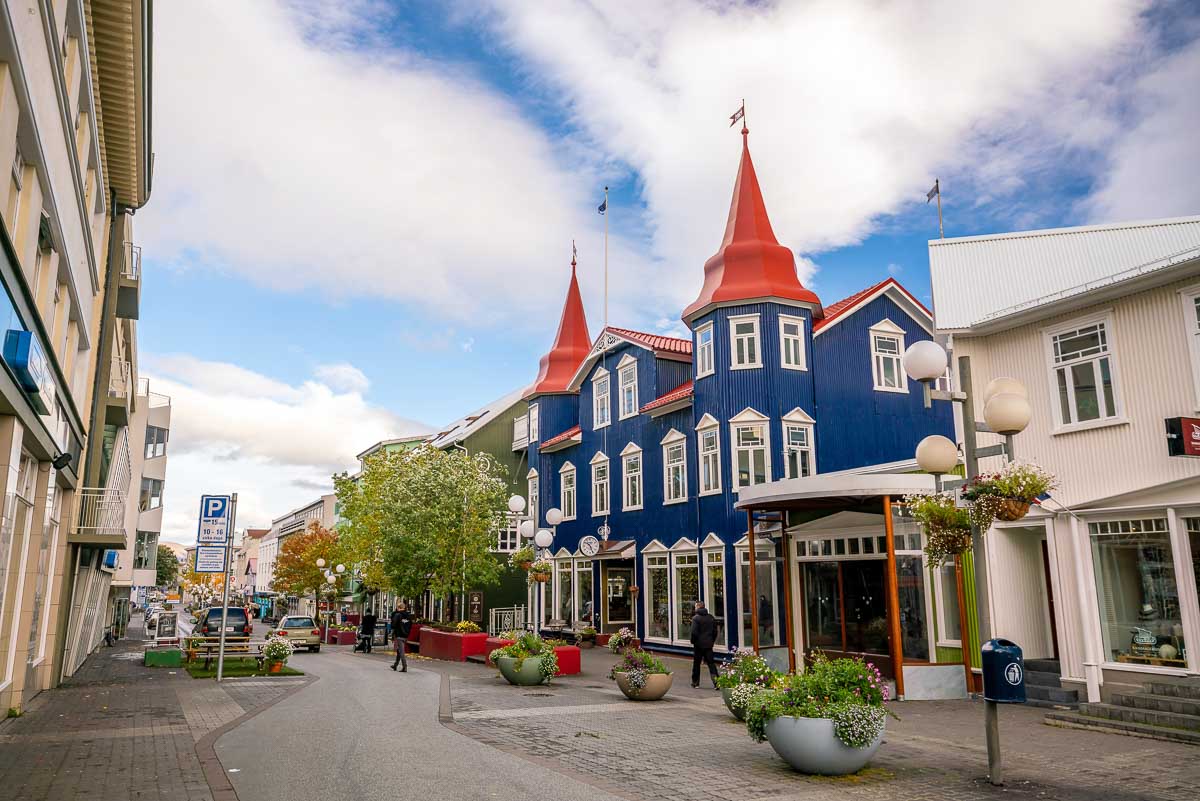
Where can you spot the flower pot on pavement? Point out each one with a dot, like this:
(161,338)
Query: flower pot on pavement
(656,687)
(527,675)
(275,667)
(810,745)
(727,697)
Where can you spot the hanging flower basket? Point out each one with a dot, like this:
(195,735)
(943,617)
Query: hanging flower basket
(1007,494)
(540,571)
(947,527)
(1011,509)
(540,577)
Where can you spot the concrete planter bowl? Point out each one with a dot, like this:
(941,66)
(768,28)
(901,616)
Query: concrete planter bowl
(809,745)
(656,687)
(529,674)
(727,697)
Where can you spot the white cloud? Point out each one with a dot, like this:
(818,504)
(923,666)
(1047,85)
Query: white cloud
(343,376)
(234,430)
(894,269)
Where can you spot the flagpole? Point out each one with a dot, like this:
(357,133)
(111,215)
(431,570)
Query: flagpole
(606,257)
(938,186)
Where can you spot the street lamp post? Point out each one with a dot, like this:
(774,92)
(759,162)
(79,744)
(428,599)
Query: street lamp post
(1006,411)
(542,538)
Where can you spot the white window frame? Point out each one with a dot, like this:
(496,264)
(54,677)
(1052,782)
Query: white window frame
(1190,297)
(571,492)
(533,488)
(601,378)
(705,351)
(712,552)
(939,594)
(675,440)
(632,452)
(627,388)
(1117,417)
(745,419)
(656,550)
(683,550)
(508,539)
(582,566)
(742,557)
(798,420)
(711,458)
(601,489)
(533,422)
(755,338)
(797,339)
(886,329)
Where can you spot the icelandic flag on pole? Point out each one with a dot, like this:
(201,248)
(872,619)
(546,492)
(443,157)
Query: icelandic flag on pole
(603,206)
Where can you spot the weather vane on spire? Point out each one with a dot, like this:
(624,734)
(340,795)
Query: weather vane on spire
(740,114)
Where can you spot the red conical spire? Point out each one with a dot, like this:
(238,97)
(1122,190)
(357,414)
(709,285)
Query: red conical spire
(571,346)
(750,263)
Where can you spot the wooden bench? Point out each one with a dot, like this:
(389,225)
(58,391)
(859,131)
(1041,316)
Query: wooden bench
(209,648)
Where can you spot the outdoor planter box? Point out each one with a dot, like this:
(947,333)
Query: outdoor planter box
(450,646)
(164,657)
(346,637)
(414,637)
(568,660)
(492,644)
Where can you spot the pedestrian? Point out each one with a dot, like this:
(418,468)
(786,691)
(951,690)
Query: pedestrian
(366,634)
(401,626)
(704,637)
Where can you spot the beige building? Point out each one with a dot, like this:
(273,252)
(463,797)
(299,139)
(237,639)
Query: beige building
(322,510)
(74,130)
(1102,325)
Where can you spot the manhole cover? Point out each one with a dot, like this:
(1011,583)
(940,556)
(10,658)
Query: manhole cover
(539,695)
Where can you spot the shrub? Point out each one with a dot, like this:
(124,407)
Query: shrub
(529,645)
(851,692)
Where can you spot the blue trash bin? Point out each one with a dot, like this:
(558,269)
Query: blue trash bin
(1003,672)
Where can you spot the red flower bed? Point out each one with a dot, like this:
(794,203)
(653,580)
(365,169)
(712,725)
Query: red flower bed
(451,646)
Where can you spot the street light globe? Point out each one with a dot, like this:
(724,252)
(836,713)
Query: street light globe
(937,454)
(1007,413)
(320,562)
(340,568)
(554,516)
(331,579)
(925,361)
(526,528)
(1004,385)
(543,539)
(516,504)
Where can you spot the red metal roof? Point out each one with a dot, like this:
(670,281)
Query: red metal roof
(571,346)
(680,392)
(656,342)
(750,262)
(846,305)
(573,431)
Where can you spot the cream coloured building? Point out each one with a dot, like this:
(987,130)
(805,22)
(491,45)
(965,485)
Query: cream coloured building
(1102,325)
(74,131)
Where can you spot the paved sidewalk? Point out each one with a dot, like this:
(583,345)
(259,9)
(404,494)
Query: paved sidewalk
(688,747)
(119,730)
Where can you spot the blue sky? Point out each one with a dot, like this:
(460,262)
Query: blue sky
(363,216)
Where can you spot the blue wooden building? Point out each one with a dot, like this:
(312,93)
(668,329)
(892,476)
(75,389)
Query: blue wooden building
(644,441)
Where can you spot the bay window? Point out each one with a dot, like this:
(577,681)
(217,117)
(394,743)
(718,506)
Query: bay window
(566,490)
(1083,378)
(750,448)
(709,444)
(745,352)
(704,351)
(791,343)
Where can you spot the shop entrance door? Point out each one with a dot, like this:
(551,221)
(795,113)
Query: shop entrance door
(617,578)
(845,610)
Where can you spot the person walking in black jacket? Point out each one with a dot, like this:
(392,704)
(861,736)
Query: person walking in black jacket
(401,626)
(366,632)
(704,636)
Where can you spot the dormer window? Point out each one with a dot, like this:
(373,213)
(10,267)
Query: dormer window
(704,351)
(601,416)
(745,353)
(887,348)
(627,381)
(791,343)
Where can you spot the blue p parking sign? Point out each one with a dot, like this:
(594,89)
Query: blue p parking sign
(214,520)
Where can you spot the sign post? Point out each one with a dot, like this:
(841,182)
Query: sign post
(214,538)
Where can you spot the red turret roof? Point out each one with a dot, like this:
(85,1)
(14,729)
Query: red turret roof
(751,263)
(571,346)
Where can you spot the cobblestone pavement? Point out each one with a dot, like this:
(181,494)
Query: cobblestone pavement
(689,747)
(119,730)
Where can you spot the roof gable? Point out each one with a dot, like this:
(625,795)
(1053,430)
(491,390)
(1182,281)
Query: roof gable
(663,347)
(847,307)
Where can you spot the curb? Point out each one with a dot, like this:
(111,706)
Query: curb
(210,763)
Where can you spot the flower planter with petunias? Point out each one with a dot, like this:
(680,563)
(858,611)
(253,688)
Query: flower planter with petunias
(276,652)
(741,678)
(828,720)
(639,675)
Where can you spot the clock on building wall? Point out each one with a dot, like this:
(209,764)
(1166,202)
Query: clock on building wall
(589,546)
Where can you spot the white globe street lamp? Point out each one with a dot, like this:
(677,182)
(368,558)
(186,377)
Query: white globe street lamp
(341,568)
(925,361)
(320,562)
(1004,385)
(937,455)
(554,516)
(516,504)
(1007,413)
(543,539)
(527,528)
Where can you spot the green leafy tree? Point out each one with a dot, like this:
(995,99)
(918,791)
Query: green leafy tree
(430,514)
(167,568)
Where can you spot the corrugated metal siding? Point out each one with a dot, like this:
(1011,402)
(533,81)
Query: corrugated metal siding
(1154,381)
(1037,264)
(855,424)
(1020,614)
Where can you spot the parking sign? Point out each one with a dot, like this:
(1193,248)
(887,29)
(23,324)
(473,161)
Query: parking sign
(214,520)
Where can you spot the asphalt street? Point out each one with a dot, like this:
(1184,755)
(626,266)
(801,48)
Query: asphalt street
(363,731)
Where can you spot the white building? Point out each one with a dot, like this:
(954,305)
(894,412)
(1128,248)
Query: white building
(1102,325)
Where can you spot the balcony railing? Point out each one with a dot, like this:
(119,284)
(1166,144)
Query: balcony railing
(133,262)
(120,380)
(520,432)
(101,517)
